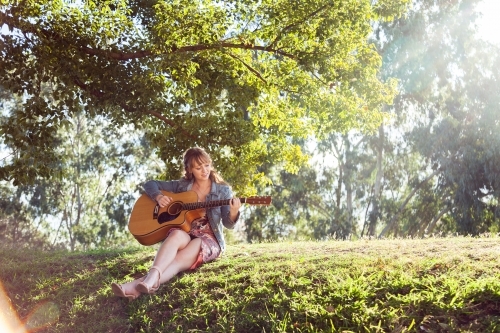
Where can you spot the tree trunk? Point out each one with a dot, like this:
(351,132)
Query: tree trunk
(375,212)
(348,186)
(433,223)
(392,222)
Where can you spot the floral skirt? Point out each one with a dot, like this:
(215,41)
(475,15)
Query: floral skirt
(210,249)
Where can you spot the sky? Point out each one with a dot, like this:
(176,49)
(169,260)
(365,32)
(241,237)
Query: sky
(489,24)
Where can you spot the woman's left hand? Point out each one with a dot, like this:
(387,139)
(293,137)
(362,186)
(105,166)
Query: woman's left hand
(235,204)
(234,207)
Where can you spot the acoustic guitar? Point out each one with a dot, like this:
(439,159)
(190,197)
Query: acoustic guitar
(149,223)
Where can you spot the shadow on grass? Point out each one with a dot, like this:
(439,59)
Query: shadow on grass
(70,292)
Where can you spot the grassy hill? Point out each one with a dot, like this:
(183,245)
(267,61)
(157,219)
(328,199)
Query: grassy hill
(430,285)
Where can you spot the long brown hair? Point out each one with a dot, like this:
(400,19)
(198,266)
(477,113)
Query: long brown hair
(200,156)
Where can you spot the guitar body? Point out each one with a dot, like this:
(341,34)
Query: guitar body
(150,227)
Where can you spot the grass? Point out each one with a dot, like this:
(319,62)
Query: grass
(401,285)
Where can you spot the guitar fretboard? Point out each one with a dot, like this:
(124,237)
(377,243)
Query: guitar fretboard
(208,204)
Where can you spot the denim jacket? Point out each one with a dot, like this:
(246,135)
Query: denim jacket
(217,216)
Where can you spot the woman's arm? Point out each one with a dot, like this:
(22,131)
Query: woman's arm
(153,188)
(229,214)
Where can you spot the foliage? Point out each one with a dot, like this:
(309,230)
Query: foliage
(101,168)
(444,119)
(432,167)
(292,214)
(19,224)
(305,205)
(237,77)
(254,82)
(466,141)
(432,285)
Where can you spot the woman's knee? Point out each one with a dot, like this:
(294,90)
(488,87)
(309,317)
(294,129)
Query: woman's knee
(178,236)
(189,253)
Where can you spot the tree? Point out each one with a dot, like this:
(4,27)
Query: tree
(466,141)
(292,214)
(103,169)
(433,166)
(100,168)
(238,77)
(18,225)
(317,202)
(447,120)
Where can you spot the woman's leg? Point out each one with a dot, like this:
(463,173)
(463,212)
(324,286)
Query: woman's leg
(175,242)
(184,259)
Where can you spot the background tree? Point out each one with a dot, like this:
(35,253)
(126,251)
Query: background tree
(292,212)
(431,167)
(18,225)
(443,69)
(466,141)
(237,77)
(100,170)
(253,83)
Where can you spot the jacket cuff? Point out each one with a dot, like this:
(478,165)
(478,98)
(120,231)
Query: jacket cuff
(237,218)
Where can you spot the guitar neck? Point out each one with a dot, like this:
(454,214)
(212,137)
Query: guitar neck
(208,204)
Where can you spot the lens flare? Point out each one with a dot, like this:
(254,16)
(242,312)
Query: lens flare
(8,319)
(42,316)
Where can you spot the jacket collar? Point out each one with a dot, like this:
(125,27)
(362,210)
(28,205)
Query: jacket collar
(213,188)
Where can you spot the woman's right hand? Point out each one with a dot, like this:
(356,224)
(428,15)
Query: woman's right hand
(163,200)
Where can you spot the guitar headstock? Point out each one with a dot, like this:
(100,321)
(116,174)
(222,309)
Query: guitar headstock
(260,201)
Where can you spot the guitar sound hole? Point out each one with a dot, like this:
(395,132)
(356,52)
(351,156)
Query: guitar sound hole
(166,217)
(175,208)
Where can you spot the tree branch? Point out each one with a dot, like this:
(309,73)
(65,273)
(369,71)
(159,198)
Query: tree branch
(158,115)
(51,35)
(84,87)
(250,68)
(322,209)
(290,26)
(182,49)
(165,120)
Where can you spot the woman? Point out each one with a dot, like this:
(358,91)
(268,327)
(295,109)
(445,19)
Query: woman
(181,251)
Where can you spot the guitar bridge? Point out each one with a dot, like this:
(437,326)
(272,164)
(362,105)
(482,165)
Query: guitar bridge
(155,212)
